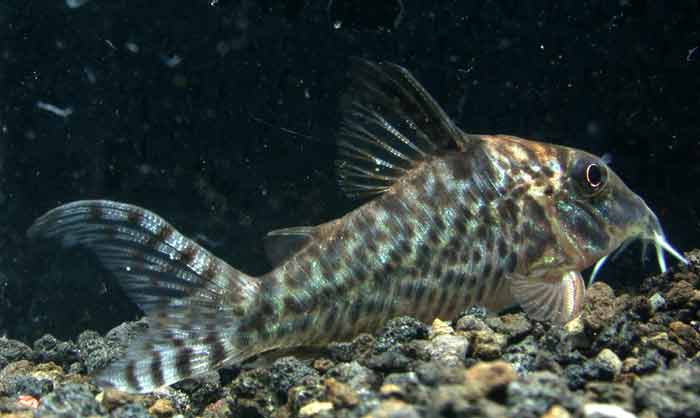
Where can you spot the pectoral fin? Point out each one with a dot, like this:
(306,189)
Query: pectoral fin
(557,297)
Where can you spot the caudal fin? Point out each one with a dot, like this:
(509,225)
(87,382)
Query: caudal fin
(193,299)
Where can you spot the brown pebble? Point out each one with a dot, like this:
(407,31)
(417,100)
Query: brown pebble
(680,294)
(112,399)
(440,327)
(322,365)
(599,309)
(556,411)
(486,345)
(340,394)
(667,347)
(629,363)
(162,408)
(389,390)
(489,376)
(217,409)
(685,335)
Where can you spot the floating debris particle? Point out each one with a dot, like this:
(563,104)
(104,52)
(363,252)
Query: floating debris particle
(90,75)
(74,4)
(64,113)
(171,60)
(132,47)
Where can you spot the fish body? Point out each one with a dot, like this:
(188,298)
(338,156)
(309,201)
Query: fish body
(455,220)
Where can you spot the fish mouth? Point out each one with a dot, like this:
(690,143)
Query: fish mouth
(656,237)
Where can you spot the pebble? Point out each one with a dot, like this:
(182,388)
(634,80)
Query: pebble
(599,309)
(361,379)
(601,410)
(575,326)
(611,393)
(287,372)
(315,408)
(489,376)
(657,302)
(113,399)
(671,393)
(532,395)
(611,360)
(70,400)
(399,330)
(12,350)
(393,408)
(680,294)
(513,326)
(162,408)
(131,411)
(440,327)
(486,344)
(390,389)
(340,394)
(48,348)
(556,411)
(449,349)
(685,335)
(471,323)
(389,361)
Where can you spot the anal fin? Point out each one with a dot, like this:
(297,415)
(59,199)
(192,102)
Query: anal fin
(557,297)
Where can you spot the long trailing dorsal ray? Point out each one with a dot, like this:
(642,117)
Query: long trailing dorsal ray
(390,124)
(187,292)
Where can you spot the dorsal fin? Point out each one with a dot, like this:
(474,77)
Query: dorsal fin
(390,125)
(280,244)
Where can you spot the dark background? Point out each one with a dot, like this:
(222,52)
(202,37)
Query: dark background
(237,138)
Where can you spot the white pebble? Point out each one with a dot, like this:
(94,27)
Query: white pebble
(604,410)
(657,302)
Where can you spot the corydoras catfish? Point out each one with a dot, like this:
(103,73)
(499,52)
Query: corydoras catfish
(454,220)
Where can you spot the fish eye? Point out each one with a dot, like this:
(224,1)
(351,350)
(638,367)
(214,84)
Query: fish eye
(589,175)
(594,175)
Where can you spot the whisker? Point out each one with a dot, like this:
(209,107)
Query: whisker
(620,249)
(661,241)
(660,258)
(645,248)
(596,269)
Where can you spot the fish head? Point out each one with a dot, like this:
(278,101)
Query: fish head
(574,209)
(594,212)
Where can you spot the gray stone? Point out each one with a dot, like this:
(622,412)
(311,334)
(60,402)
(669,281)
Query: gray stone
(656,301)
(13,350)
(361,379)
(287,372)
(532,395)
(69,401)
(673,393)
(449,349)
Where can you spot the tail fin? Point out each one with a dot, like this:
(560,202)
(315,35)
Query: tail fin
(193,299)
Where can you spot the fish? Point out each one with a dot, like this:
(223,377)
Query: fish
(446,220)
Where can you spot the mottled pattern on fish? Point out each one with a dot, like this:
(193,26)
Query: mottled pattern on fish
(456,220)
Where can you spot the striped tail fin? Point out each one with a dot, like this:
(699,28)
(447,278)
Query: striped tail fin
(193,299)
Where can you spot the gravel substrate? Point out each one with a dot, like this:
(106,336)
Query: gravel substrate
(627,355)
